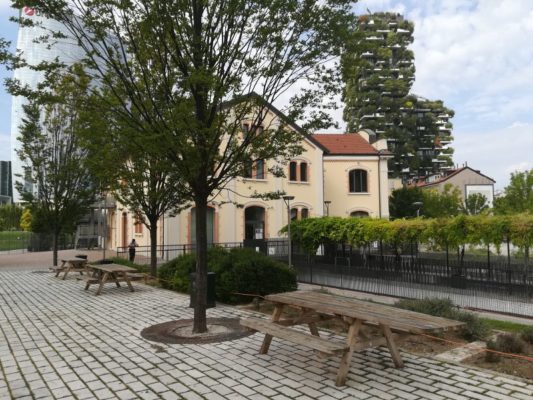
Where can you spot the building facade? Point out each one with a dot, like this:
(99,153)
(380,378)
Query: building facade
(34,52)
(378,71)
(337,175)
(6,185)
(467,180)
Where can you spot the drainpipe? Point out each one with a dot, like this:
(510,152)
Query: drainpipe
(379,182)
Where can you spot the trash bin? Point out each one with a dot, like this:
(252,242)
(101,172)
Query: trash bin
(210,290)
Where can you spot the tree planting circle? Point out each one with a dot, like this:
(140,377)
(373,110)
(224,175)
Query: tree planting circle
(180,331)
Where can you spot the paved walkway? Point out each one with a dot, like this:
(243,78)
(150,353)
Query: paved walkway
(59,342)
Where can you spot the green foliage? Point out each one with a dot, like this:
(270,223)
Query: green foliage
(527,335)
(475,204)
(174,274)
(441,204)
(14,240)
(10,215)
(475,328)
(505,343)
(433,306)
(508,326)
(49,143)
(240,274)
(378,71)
(518,196)
(452,232)
(402,202)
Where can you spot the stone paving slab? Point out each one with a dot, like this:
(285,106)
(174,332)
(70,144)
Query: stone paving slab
(58,341)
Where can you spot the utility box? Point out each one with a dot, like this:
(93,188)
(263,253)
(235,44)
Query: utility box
(210,301)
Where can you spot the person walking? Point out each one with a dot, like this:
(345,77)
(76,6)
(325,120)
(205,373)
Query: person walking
(131,247)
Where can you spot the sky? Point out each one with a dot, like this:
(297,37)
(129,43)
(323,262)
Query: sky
(475,55)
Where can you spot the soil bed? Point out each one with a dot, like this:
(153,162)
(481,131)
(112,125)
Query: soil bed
(507,365)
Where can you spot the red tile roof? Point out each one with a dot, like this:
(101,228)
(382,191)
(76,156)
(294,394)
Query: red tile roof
(345,144)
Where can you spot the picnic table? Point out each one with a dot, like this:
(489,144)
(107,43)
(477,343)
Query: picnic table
(109,273)
(315,306)
(71,265)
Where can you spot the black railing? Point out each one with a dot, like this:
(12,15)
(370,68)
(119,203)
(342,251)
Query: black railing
(499,287)
(167,252)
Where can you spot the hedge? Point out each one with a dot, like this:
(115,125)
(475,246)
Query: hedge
(241,274)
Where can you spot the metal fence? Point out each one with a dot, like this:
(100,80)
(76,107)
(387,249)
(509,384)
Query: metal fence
(499,287)
(14,242)
(168,252)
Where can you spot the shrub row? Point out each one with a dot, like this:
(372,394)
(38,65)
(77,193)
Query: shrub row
(310,233)
(475,328)
(238,272)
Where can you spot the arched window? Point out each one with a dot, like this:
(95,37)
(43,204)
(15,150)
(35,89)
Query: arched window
(254,223)
(358,181)
(294,214)
(359,214)
(138,225)
(304,213)
(303,172)
(248,169)
(292,170)
(260,169)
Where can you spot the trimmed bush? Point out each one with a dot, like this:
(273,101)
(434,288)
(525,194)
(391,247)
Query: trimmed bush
(241,274)
(527,335)
(475,328)
(436,307)
(506,343)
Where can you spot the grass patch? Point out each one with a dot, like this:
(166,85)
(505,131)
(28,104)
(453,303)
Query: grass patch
(505,325)
(14,240)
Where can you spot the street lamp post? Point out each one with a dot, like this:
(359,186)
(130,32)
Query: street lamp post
(327,203)
(287,200)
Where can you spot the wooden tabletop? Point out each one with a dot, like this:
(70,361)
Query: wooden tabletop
(112,268)
(395,318)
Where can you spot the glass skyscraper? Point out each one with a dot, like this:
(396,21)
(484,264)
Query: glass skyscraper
(66,50)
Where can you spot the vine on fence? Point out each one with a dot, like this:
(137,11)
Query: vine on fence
(455,232)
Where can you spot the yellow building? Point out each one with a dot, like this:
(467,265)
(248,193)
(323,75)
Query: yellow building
(336,174)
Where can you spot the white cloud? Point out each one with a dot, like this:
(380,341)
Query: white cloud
(475,54)
(497,152)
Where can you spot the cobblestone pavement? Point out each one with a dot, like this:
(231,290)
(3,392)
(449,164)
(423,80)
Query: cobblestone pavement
(58,341)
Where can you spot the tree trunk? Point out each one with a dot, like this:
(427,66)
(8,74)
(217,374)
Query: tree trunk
(153,246)
(55,246)
(200,307)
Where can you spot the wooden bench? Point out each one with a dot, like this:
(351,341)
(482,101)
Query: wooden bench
(353,314)
(137,276)
(323,346)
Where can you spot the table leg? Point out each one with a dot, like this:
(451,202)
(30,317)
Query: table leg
(278,309)
(58,271)
(67,270)
(115,276)
(102,281)
(395,354)
(346,359)
(128,282)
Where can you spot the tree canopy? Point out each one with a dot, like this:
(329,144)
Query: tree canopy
(518,195)
(181,73)
(55,161)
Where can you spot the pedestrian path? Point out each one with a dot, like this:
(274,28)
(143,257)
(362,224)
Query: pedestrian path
(58,341)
